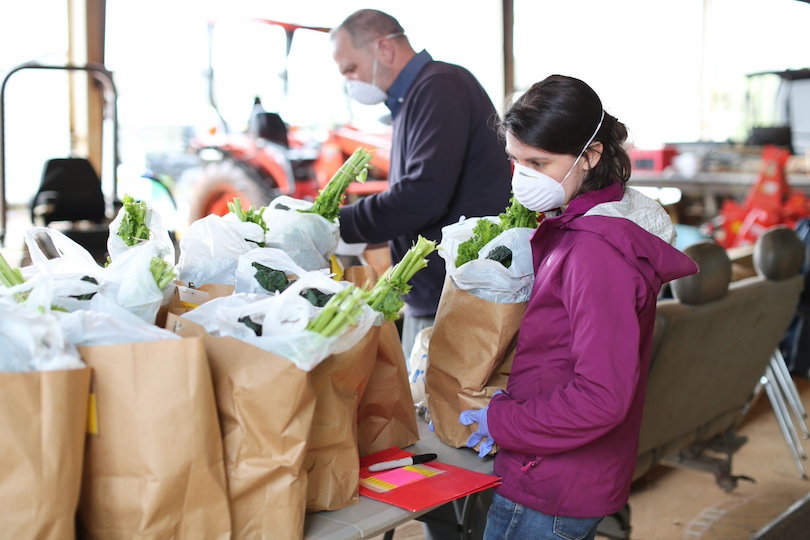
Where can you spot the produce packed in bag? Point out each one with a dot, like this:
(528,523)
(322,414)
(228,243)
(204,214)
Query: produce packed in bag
(44,388)
(264,350)
(139,279)
(211,247)
(489,280)
(291,323)
(309,232)
(265,271)
(135,224)
(386,416)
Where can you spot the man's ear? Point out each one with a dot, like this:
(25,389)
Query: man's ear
(386,51)
(593,154)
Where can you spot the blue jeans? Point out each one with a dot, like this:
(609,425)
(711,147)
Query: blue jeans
(509,520)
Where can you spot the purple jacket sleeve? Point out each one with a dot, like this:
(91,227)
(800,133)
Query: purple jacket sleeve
(600,295)
(435,138)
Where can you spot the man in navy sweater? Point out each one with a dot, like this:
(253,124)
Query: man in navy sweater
(446,158)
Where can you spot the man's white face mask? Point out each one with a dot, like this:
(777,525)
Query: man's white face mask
(369,93)
(539,192)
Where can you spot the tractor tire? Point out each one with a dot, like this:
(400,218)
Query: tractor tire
(209,188)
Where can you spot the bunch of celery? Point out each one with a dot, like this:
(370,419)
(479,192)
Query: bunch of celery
(340,312)
(162,271)
(251,215)
(328,201)
(386,296)
(11,277)
(516,215)
(133,228)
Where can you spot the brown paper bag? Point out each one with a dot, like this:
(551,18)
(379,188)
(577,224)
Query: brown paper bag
(177,307)
(266,405)
(332,461)
(43,419)
(386,416)
(155,469)
(469,358)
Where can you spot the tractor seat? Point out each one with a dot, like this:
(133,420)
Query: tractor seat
(270,127)
(70,190)
(70,199)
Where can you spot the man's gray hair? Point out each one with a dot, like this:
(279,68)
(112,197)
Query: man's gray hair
(366,25)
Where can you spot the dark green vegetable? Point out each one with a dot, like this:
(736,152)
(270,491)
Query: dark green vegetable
(316,297)
(502,254)
(516,215)
(256,327)
(133,229)
(270,279)
(89,279)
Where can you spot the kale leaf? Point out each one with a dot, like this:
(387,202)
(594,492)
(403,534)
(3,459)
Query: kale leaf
(270,279)
(502,254)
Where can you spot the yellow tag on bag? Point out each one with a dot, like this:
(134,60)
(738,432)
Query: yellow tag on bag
(336,267)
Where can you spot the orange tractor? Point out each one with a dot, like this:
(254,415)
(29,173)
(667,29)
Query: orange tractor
(270,157)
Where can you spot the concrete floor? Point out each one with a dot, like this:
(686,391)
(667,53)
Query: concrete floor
(684,504)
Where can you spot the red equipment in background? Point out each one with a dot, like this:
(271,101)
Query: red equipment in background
(770,202)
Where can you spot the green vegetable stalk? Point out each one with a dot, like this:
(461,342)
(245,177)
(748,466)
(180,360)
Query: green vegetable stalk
(516,215)
(11,277)
(133,228)
(340,312)
(251,215)
(386,296)
(162,271)
(8,275)
(327,203)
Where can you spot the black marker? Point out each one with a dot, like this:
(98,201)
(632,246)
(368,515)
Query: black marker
(404,462)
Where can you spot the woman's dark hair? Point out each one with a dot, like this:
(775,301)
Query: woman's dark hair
(559,115)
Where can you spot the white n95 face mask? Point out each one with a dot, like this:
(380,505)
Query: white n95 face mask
(536,191)
(365,93)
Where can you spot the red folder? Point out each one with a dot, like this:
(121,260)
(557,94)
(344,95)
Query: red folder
(452,484)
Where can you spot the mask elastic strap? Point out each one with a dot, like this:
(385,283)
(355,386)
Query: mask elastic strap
(587,144)
(377,48)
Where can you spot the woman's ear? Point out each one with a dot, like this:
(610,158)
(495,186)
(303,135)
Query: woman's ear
(593,154)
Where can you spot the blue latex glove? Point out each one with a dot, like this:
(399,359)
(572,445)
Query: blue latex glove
(478,416)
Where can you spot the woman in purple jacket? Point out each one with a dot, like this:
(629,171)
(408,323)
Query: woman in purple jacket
(568,425)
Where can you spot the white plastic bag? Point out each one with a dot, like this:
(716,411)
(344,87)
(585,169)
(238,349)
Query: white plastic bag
(270,257)
(130,284)
(73,271)
(158,234)
(418,363)
(485,278)
(284,318)
(104,322)
(210,249)
(309,239)
(33,341)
